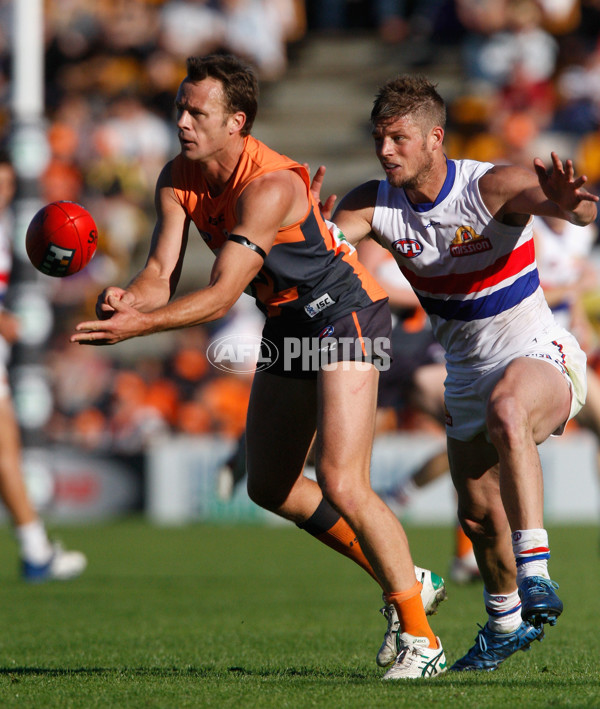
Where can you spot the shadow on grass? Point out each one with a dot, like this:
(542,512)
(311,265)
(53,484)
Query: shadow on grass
(543,680)
(193,672)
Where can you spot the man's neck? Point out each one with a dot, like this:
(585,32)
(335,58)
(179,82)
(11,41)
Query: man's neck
(218,170)
(428,192)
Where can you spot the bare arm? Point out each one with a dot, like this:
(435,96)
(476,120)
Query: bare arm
(154,285)
(267,204)
(354,213)
(375,259)
(513,193)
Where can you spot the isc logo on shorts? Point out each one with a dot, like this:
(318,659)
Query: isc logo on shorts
(408,247)
(318,304)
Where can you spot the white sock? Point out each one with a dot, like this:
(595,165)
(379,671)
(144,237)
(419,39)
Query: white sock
(34,545)
(504,611)
(530,547)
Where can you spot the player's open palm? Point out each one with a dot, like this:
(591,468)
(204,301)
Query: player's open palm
(560,184)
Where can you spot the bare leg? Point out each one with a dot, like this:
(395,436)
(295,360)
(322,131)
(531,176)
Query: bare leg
(280,428)
(530,402)
(347,405)
(474,469)
(12,486)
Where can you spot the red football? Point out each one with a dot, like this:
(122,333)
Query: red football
(61,239)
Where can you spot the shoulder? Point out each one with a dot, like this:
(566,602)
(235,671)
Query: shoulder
(362,197)
(506,179)
(172,173)
(277,181)
(280,192)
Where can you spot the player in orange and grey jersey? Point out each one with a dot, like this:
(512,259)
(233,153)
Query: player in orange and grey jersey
(255,210)
(306,265)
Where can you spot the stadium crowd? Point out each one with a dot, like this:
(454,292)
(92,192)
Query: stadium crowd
(530,83)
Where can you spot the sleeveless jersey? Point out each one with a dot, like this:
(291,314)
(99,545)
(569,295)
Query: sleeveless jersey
(309,276)
(475,277)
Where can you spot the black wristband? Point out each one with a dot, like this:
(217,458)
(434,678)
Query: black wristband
(248,244)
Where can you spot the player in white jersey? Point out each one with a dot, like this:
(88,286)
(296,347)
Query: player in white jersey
(461,233)
(41,559)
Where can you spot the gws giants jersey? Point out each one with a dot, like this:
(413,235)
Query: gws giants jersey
(475,277)
(309,277)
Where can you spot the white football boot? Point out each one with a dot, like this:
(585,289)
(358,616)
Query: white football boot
(432,594)
(416,659)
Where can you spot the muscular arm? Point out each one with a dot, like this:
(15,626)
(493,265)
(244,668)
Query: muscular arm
(514,193)
(275,200)
(154,285)
(354,213)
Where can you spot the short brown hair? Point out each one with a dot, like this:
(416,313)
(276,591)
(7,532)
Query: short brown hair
(410,95)
(240,85)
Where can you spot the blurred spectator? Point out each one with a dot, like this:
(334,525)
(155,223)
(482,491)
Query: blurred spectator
(509,44)
(395,20)
(258,30)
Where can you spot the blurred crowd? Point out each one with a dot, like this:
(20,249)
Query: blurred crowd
(530,84)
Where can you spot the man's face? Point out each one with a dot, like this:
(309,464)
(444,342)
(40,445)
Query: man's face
(403,152)
(201,119)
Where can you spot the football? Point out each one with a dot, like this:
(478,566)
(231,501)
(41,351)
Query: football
(61,239)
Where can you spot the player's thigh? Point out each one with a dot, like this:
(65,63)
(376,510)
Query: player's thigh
(534,389)
(346,419)
(280,428)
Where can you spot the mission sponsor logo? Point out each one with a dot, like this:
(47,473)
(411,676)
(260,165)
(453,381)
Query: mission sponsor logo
(468,242)
(409,248)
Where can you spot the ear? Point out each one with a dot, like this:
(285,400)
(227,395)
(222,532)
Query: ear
(236,122)
(436,138)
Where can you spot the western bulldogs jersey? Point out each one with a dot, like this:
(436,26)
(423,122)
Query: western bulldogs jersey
(476,277)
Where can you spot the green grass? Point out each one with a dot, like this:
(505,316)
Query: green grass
(257,617)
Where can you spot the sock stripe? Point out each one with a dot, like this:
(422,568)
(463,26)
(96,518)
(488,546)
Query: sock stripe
(526,559)
(502,614)
(535,550)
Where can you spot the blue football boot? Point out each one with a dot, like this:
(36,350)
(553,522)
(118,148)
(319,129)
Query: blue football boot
(491,649)
(539,603)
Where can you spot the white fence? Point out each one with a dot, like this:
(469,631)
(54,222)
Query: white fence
(181,480)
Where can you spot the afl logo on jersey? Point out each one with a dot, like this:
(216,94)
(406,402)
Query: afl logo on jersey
(408,247)
(326,332)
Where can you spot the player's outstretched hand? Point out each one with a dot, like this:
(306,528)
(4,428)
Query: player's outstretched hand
(124,323)
(560,184)
(315,188)
(103,309)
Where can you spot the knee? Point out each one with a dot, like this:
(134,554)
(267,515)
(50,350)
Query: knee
(483,525)
(507,421)
(345,498)
(264,496)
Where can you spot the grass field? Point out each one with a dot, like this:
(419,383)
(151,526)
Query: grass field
(257,617)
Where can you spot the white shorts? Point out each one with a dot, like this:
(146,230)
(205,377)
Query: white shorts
(466,398)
